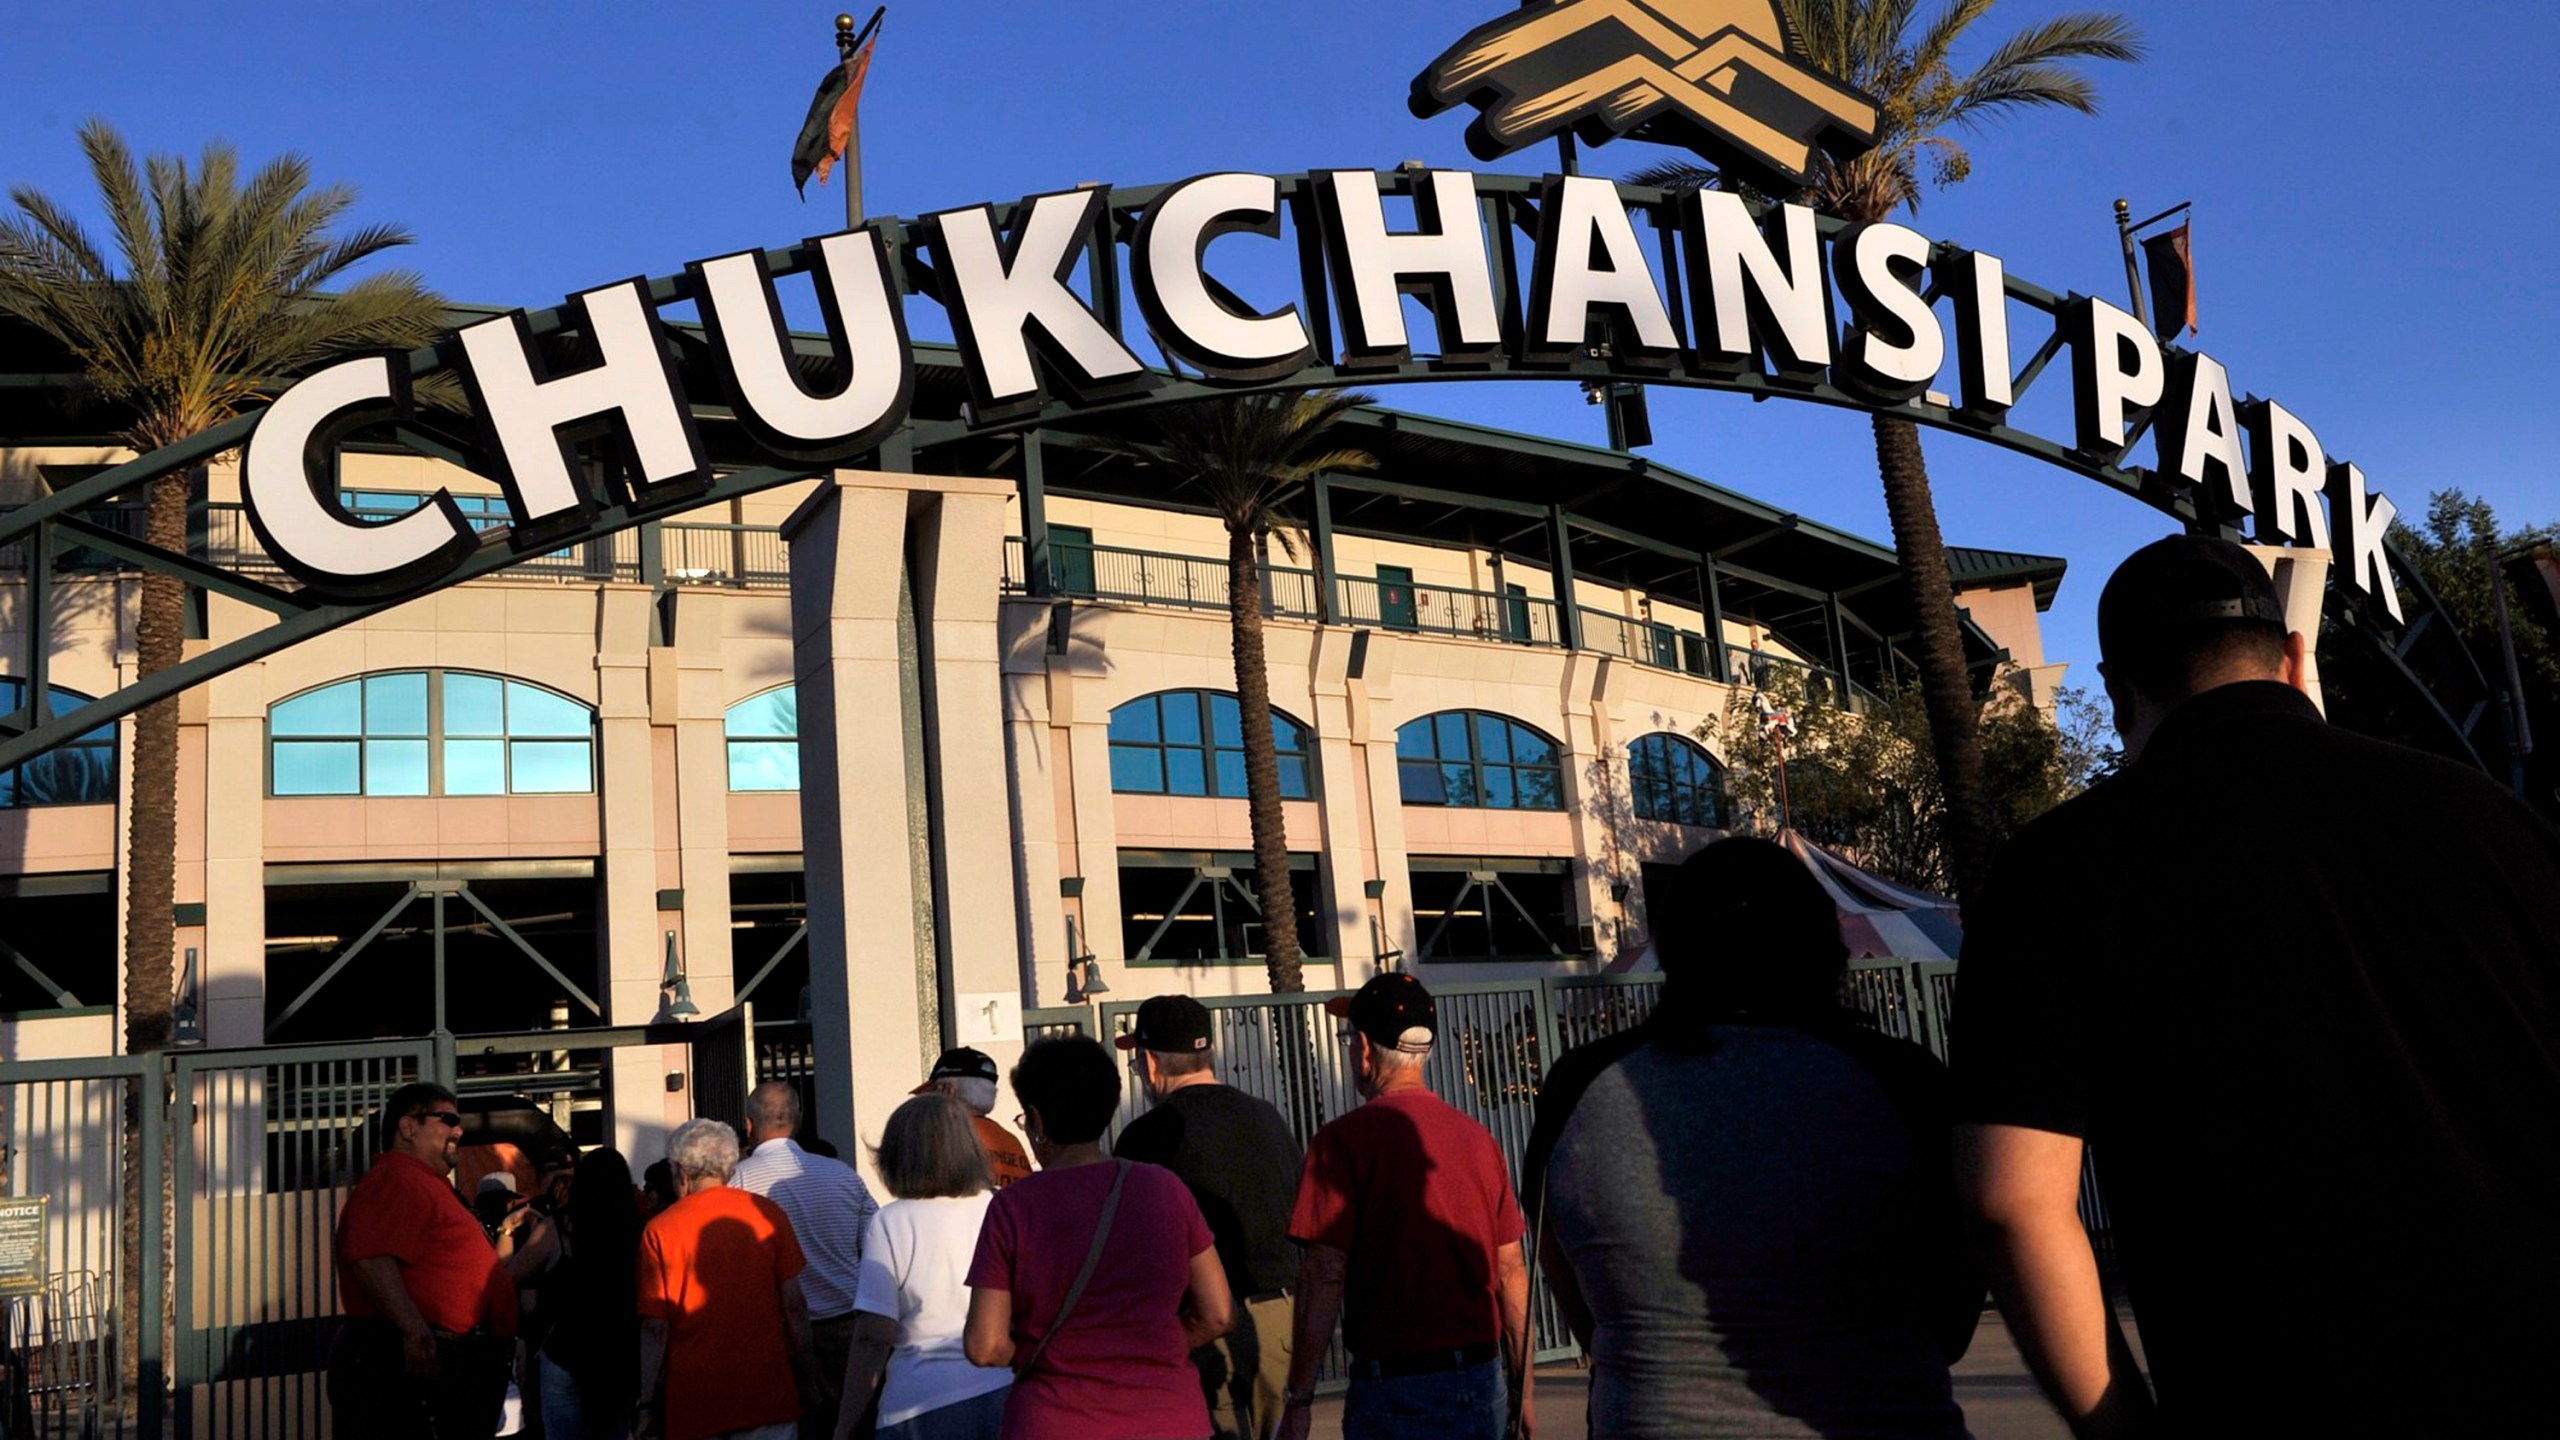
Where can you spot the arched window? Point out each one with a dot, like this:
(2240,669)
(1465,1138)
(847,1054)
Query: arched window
(1472,760)
(764,740)
(431,732)
(79,772)
(1191,742)
(1675,782)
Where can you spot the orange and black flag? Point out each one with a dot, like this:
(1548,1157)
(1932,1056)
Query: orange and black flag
(829,127)
(2171,254)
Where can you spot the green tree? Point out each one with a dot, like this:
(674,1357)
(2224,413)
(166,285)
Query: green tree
(1867,783)
(1247,455)
(1887,49)
(218,303)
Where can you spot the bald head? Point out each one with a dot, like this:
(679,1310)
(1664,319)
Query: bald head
(773,1111)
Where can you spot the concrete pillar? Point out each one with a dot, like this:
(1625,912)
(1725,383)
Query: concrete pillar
(1341,853)
(702,808)
(232,966)
(1372,679)
(1586,776)
(959,562)
(1033,761)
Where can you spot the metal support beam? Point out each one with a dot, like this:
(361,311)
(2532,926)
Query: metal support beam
(1560,553)
(1327,602)
(1711,600)
(576,991)
(351,952)
(1037,577)
(1838,637)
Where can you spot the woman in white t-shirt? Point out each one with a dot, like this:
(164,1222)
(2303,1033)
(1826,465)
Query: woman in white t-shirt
(913,1299)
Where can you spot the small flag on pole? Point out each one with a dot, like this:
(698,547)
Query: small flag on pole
(829,126)
(2171,254)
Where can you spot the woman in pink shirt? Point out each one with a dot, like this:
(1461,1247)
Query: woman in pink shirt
(1118,1365)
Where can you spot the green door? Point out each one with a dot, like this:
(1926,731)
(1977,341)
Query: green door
(1071,559)
(1395,598)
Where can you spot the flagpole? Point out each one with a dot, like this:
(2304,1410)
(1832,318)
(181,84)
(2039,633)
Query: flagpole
(845,43)
(2132,268)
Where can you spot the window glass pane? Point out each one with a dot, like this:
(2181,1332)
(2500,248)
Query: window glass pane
(396,704)
(1531,748)
(307,767)
(1137,769)
(1460,782)
(1540,788)
(775,712)
(532,711)
(1644,759)
(1186,772)
(1231,778)
(551,767)
(764,765)
(1413,741)
(336,710)
(1493,738)
(1136,721)
(1226,720)
(1497,788)
(1182,718)
(1286,734)
(1649,799)
(395,767)
(1420,782)
(475,767)
(1452,729)
(473,706)
(8,789)
(1293,779)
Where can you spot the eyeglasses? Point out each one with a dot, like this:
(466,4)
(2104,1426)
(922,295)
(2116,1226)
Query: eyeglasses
(451,1118)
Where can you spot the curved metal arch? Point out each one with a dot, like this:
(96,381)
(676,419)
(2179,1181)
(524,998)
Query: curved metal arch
(1509,213)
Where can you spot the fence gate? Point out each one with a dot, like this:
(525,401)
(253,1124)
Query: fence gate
(73,1360)
(269,1142)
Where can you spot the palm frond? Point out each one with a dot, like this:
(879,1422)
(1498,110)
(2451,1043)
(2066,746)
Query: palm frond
(2023,88)
(1940,38)
(2089,35)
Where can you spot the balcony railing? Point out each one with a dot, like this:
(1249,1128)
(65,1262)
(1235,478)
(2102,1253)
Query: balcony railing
(1155,577)
(1446,610)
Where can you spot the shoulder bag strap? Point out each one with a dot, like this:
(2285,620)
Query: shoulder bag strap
(1092,1261)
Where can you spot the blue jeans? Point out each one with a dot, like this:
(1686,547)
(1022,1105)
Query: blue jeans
(1469,1404)
(564,1414)
(980,1417)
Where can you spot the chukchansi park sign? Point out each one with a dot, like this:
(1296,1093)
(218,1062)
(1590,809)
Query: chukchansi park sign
(1766,298)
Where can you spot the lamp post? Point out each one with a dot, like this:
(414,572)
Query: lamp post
(675,990)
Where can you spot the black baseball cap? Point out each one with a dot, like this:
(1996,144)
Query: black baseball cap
(2170,589)
(1170,1025)
(1389,1009)
(963,1064)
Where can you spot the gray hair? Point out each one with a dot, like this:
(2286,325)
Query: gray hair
(976,1093)
(703,1147)
(929,1150)
(774,1109)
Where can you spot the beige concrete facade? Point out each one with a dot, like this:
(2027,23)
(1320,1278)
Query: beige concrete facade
(1018,693)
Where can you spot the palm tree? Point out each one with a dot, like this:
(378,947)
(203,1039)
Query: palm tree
(1881,47)
(1248,454)
(217,305)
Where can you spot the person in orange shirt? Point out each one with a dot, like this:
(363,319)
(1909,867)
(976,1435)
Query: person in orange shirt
(969,1076)
(725,1346)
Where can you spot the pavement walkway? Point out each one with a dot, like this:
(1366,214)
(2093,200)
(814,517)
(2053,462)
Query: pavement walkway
(2000,1399)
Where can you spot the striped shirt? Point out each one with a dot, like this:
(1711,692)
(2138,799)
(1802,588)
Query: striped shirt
(829,1207)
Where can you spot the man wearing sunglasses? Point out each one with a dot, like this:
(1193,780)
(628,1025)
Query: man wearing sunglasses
(430,1311)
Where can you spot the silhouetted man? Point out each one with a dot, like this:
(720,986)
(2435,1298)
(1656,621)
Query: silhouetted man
(1241,1162)
(2297,990)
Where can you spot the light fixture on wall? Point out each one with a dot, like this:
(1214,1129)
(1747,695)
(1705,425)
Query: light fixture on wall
(675,992)
(189,1017)
(1084,973)
(1618,891)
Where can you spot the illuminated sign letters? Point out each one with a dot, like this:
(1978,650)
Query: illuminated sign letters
(1696,287)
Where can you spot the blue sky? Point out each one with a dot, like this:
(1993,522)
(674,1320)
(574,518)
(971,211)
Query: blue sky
(2373,242)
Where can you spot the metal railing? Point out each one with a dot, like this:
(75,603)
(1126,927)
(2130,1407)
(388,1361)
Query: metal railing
(1760,668)
(1446,610)
(1154,577)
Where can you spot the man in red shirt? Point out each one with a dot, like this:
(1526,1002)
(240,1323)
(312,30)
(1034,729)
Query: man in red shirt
(725,1345)
(1413,1239)
(430,1312)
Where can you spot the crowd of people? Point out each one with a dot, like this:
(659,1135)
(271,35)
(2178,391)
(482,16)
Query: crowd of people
(2298,988)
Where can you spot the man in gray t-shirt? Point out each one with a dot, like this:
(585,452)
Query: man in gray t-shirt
(1748,1214)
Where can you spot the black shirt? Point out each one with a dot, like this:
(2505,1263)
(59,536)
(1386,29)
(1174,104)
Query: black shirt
(2300,990)
(1241,1162)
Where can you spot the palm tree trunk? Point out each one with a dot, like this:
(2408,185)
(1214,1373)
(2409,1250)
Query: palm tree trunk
(1945,691)
(1262,764)
(151,877)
